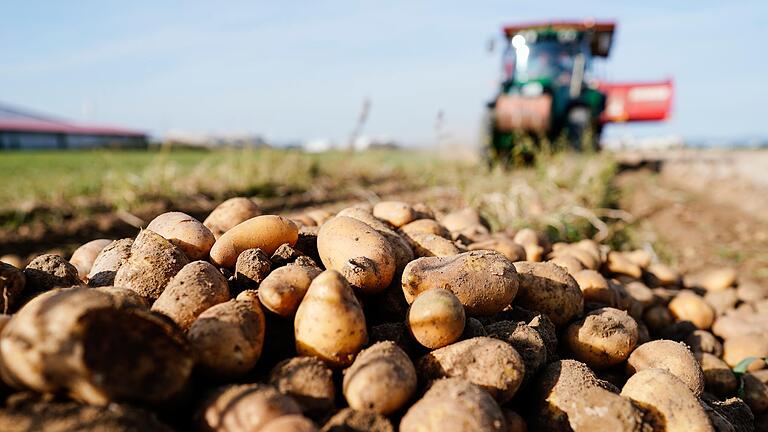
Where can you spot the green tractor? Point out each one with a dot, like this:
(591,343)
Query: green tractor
(549,96)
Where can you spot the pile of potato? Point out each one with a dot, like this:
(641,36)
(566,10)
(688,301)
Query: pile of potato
(377,318)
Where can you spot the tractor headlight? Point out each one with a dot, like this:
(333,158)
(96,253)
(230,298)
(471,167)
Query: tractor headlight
(532,89)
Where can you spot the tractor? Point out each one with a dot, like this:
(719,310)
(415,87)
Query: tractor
(549,94)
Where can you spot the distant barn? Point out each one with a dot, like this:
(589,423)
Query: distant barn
(21,129)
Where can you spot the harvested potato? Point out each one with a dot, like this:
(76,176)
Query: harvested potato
(525,340)
(243,408)
(396,213)
(587,258)
(431,245)
(640,294)
(714,279)
(722,301)
(84,256)
(473,328)
(289,423)
(329,323)
(658,317)
(185,232)
(13,260)
(594,287)
(625,300)
(454,405)
(751,291)
(484,281)
(197,287)
(358,252)
(49,271)
(618,263)
(381,379)
(124,297)
(251,268)
(151,265)
(282,290)
(490,363)
(755,393)
(718,377)
(569,396)
(641,257)
(604,338)
(661,275)
(350,420)
(702,341)
(284,255)
(266,232)
(670,402)
(548,288)
(230,213)
(308,381)
(12,282)
(424,226)
(110,258)
(227,339)
(531,243)
(436,318)
(466,221)
(77,341)
(569,263)
(671,356)
(730,325)
(737,348)
(513,251)
(688,306)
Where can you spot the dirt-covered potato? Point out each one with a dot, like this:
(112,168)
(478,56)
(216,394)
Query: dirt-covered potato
(588,258)
(484,281)
(713,279)
(569,263)
(381,379)
(49,271)
(525,340)
(737,348)
(490,363)
(603,338)
(568,396)
(657,318)
(548,288)
(251,268)
(618,263)
(454,405)
(722,301)
(266,232)
(77,341)
(243,408)
(436,318)
(672,356)
(282,290)
(350,420)
(702,341)
(396,213)
(687,306)
(289,423)
(431,245)
(466,221)
(755,393)
(594,287)
(227,339)
(84,256)
(531,243)
(424,226)
(659,274)
(308,381)
(513,251)
(731,325)
(152,263)
(110,258)
(185,232)
(358,252)
(230,213)
(329,322)
(124,297)
(195,288)
(750,291)
(12,283)
(718,377)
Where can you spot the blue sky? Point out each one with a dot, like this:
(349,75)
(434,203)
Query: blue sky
(301,69)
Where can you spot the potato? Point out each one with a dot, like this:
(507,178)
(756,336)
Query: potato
(718,377)
(548,288)
(431,245)
(658,317)
(251,268)
(12,283)
(731,325)
(230,213)
(751,291)
(594,287)
(84,256)
(381,379)
(185,232)
(640,294)
(625,299)
(755,393)
(737,348)
(124,297)
(569,396)
(490,363)
(525,340)
(454,405)
(702,341)
(587,258)
(266,232)
(714,279)
(618,263)
(110,258)
(195,288)
(484,281)
(722,301)
(515,422)
(661,275)
(49,271)
(329,323)
(308,381)
(13,260)
(436,318)
(465,221)
(396,213)
(151,265)
(671,356)
(508,248)
(531,243)
(358,252)
(227,339)
(424,226)
(243,408)
(569,263)
(688,306)
(669,400)
(729,415)
(282,290)
(641,257)
(349,420)
(289,423)
(77,341)
(604,338)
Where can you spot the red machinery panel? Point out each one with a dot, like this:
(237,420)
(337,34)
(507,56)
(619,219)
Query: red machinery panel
(626,102)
